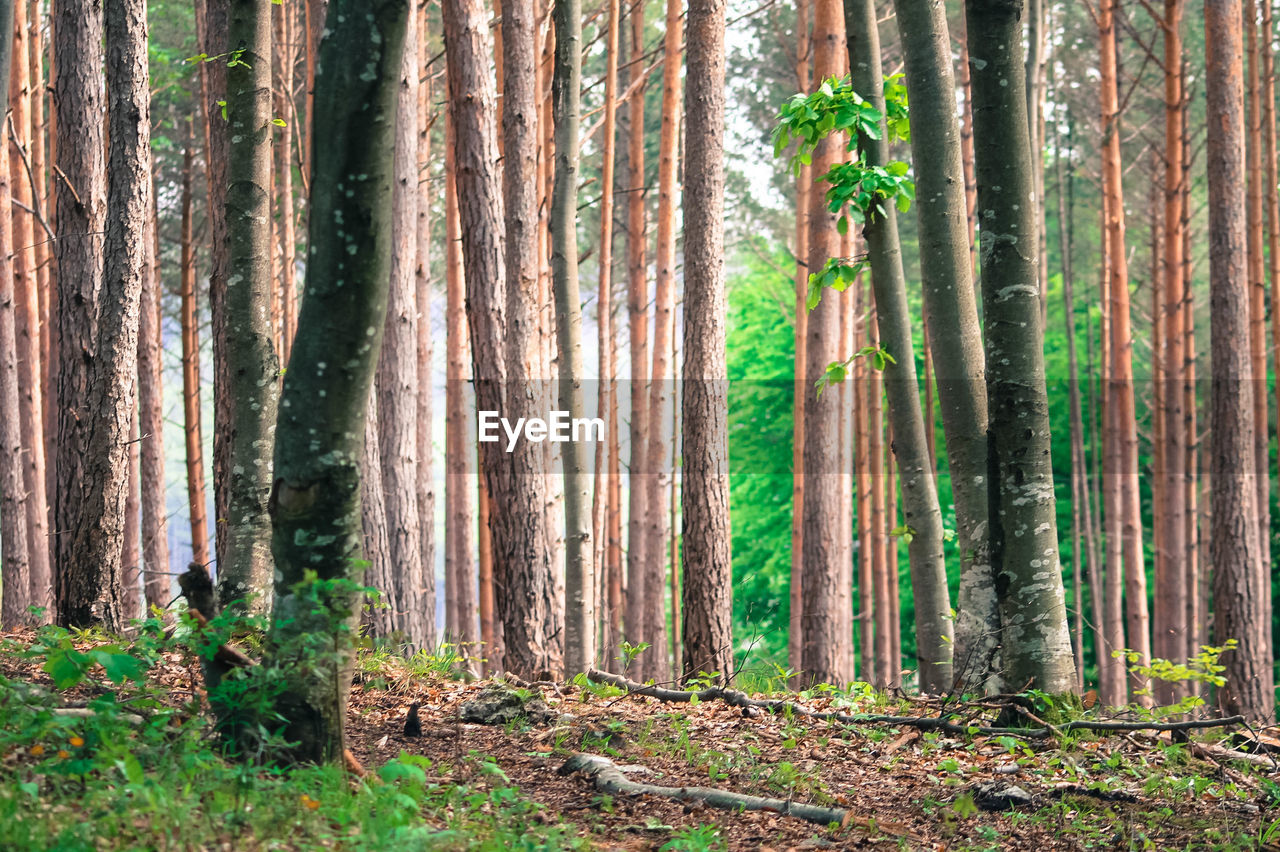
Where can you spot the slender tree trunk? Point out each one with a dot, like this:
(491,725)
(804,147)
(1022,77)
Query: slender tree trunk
(708,571)
(661,386)
(1239,601)
(823,652)
(155,523)
(398,381)
(1258,307)
(284,181)
(15,579)
(424,485)
(804,181)
(243,425)
(606,404)
(524,584)
(879,521)
(315,505)
(1023,516)
(863,484)
(42,134)
(638,338)
(1195,579)
(1126,498)
(191,408)
(580,573)
(130,554)
(1033,73)
(459,450)
(381,573)
(1273,217)
(966,148)
(954,333)
(922,515)
(1171,590)
(30,327)
(87,548)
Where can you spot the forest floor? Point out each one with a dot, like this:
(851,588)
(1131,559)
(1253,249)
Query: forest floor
(109,778)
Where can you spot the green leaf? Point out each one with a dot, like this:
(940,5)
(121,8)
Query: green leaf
(119,666)
(66,666)
(279,122)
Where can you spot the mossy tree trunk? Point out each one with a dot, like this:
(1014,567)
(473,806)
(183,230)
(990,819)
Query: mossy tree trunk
(1023,520)
(315,501)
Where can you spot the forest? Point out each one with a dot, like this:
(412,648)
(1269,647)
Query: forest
(562,424)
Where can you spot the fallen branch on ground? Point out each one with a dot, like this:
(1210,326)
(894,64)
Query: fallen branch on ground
(610,779)
(736,698)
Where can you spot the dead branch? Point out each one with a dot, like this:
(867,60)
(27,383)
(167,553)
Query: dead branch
(736,698)
(610,779)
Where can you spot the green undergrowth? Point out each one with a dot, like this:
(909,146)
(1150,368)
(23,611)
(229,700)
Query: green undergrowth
(145,770)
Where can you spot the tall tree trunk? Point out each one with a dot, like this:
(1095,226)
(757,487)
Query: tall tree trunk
(398,381)
(30,319)
(922,514)
(580,573)
(87,585)
(863,494)
(606,399)
(381,574)
(952,317)
(245,426)
(707,567)
(284,181)
(1239,601)
(1023,517)
(661,387)
(130,554)
(1120,403)
(1195,579)
(424,486)
(1258,308)
(638,338)
(42,135)
(1171,590)
(1272,204)
(190,326)
(15,580)
(804,181)
(315,505)
(525,588)
(155,523)
(879,511)
(1033,73)
(824,649)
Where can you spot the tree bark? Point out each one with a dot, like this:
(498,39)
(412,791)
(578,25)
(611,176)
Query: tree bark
(398,381)
(315,501)
(824,650)
(952,318)
(922,514)
(525,588)
(638,340)
(155,523)
(15,580)
(87,551)
(1239,601)
(190,326)
(1023,518)
(30,322)
(285,111)
(804,182)
(707,563)
(580,573)
(252,372)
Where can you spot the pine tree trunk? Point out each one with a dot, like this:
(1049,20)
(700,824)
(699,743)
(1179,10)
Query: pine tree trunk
(15,579)
(524,585)
(1024,538)
(460,466)
(398,381)
(190,326)
(1239,601)
(155,522)
(804,181)
(922,514)
(87,585)
(1172,592)
(29,326)
(638,341)
(954,333)
(245,425)
(284,182)
(661,387)
(824,650)
(707,595)
(315,501)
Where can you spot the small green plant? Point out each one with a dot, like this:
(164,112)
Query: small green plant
(1203,668)
(697,838)
(630,652)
